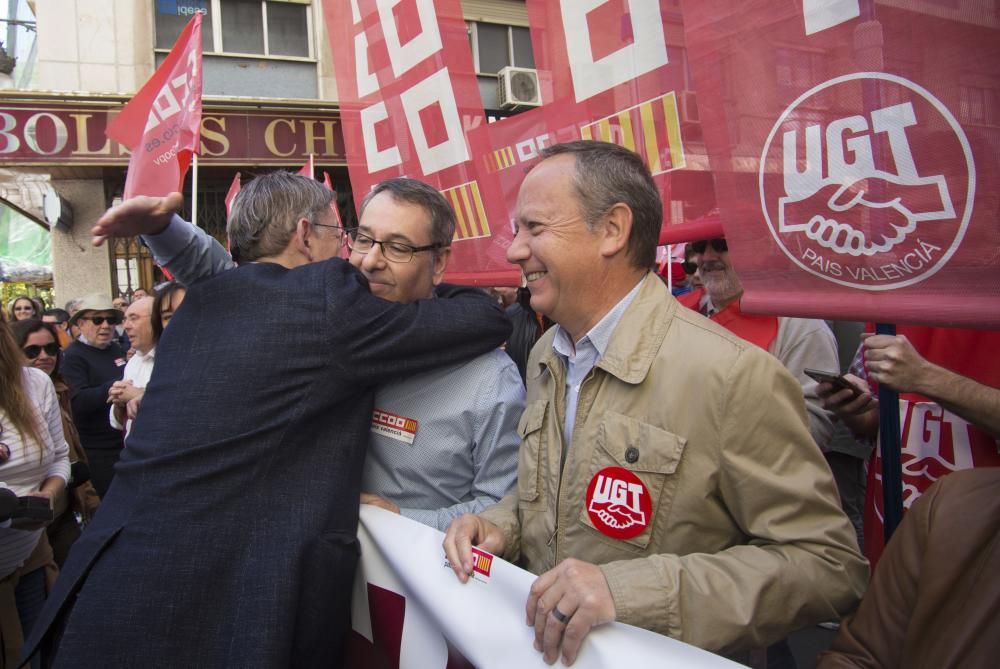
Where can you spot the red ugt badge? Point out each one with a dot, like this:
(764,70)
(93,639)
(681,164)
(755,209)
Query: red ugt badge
(618,503)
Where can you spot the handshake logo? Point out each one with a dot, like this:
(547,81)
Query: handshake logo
(873,200)
(618,503)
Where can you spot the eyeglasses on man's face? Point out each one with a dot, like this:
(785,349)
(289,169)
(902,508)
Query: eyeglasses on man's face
(718,245)
(32,352)
(393,251)
(339,228)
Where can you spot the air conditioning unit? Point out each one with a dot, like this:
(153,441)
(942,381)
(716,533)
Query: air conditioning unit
(687,108)
(518,87)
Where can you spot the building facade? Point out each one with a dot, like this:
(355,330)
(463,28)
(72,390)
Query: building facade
(269,102)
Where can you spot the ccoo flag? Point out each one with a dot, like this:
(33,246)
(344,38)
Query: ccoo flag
(161,124)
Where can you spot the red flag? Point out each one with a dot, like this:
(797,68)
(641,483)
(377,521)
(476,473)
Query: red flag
(161,124)
(307,169)
(850,157)
(234,188)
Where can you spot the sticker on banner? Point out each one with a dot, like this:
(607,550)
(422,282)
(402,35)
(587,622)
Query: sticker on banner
(618,503)
(395,427)
(873,196)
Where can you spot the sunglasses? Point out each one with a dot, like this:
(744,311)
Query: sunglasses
(32,352)
(718,245)
(101,320)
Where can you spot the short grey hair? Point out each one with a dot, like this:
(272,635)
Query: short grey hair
(267,210)
(423,195)
(607,174)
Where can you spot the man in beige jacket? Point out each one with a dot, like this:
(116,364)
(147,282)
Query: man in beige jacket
(666,476)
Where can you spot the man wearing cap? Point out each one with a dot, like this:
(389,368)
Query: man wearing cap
(90,366)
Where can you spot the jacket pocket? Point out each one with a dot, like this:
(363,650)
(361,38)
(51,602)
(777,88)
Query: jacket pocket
(651,453)
(529,462)
(323,617)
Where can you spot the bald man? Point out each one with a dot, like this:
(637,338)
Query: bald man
(139,368)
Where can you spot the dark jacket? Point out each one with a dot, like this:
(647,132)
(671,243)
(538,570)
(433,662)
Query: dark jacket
(89,372)
(228,536)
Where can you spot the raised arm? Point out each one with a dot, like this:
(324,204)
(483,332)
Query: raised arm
(186,250)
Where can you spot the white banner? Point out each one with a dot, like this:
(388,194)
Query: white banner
(409,611)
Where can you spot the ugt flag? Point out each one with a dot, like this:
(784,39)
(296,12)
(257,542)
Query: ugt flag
(856,156)
(161,124)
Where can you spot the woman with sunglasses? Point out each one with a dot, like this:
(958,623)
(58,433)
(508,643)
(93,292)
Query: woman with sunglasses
(22,308)
(90,366)
(39,343)
(34,462)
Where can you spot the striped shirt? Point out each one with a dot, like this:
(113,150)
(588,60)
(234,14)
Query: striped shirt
(25,471)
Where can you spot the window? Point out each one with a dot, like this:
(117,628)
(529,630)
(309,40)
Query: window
(796,70)
(494,47)
(978,105)
(277,28)
(256,48)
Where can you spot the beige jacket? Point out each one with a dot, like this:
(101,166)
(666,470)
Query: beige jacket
(747,540)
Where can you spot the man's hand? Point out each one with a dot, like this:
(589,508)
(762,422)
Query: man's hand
(122,392)
(464,532)
(380,502)
(132,407)
(859,412)
(892,361)
(564,604)
(137,216)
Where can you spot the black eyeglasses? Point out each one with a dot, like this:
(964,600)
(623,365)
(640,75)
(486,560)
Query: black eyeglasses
(393,251)
(32,352)
(718,245)
(101,320)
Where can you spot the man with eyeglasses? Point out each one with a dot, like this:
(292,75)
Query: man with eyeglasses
(445,442)
(799,343)
(229,537)
(91,365)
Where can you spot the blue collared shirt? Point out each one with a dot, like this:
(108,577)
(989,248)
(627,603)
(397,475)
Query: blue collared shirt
(580,359)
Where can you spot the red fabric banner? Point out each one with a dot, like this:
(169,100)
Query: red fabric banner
(410,105)
(855,148)
(234,189)
(160,125)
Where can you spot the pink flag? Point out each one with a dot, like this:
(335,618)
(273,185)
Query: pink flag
(161,124)
(307,169)
(234,188)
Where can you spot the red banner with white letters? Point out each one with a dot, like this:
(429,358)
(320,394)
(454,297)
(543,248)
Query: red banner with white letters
(411,105)
(161,123)
(855,148)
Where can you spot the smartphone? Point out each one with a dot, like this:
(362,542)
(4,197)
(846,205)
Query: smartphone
(838,380)
(33,508)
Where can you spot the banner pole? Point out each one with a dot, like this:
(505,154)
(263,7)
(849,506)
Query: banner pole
(194,189)
(889,444)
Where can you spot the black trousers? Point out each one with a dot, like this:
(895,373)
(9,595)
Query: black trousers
(102,467)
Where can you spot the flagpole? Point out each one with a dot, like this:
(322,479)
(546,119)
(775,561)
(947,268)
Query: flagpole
(312,167)
(194,189)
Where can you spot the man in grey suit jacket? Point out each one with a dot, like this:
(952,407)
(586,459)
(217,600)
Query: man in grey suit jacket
(228,536)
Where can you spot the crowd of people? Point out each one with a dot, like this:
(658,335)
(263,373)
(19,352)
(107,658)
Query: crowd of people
(661,461)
